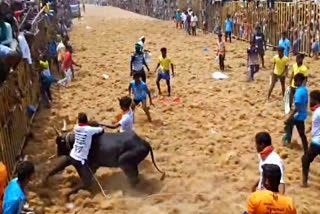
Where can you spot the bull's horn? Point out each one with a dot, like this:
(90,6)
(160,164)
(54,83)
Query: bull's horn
(55,128)
(64,128)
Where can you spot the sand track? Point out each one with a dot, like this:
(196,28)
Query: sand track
(205,143)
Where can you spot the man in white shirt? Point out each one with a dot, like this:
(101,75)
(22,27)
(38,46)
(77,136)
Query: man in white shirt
(267,156)
(125,120)
(79,153)
(314,149)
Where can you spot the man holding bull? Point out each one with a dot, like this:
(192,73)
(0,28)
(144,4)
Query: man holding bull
(79,153)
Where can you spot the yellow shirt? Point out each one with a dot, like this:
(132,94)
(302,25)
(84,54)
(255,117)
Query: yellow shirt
(296,70)
(165,63)
(265,201)
(280,65)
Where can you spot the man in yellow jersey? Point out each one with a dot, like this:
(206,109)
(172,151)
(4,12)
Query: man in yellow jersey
(165,63)
(297,68)
(280,69)
(270,200)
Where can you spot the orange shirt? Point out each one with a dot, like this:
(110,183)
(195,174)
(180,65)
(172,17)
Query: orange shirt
(267,202)
(3,182)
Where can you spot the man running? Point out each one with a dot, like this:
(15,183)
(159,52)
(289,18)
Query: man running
(299,114)
(280,69)
(314,149)
(165,63)
(140,91)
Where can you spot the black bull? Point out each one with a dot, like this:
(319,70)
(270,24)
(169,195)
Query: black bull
(125,150)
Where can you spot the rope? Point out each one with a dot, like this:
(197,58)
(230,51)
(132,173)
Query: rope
(96,179)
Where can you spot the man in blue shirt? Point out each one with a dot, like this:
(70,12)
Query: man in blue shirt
(14,196)
(298,116)
(140,91)
(228,28)
(285,43)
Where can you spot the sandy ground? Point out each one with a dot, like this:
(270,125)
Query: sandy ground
(205,143)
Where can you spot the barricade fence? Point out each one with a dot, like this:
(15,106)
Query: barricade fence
(20,90)
(300,20)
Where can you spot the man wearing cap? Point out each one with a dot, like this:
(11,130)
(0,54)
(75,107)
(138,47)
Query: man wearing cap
(270,200)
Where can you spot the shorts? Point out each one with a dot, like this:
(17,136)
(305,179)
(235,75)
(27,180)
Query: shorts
(281,78)
(137,101)
(228,33)
(261,51)
(164,75)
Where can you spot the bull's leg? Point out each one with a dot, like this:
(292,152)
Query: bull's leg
(63,163)
(132,173)
(128,163)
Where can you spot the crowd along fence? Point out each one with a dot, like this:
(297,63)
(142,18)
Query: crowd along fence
(20,90)
(299,19)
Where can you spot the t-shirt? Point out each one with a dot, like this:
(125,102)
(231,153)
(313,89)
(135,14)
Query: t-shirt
(183,17)
(286,45)
(228,24)
(194,20)
(178,16)
(137,61)
(259,40)
(316,127)
(139,91)
(301,98)
(263,202)
(296,70)
(83,140)
(14,198)
(272,158)
(126,122)
(315,47)
(67,61)
(165,63)
(53,49)
(280,64)
(24,47)
(253,56)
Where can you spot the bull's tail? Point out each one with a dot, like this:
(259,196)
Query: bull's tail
(154,163)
